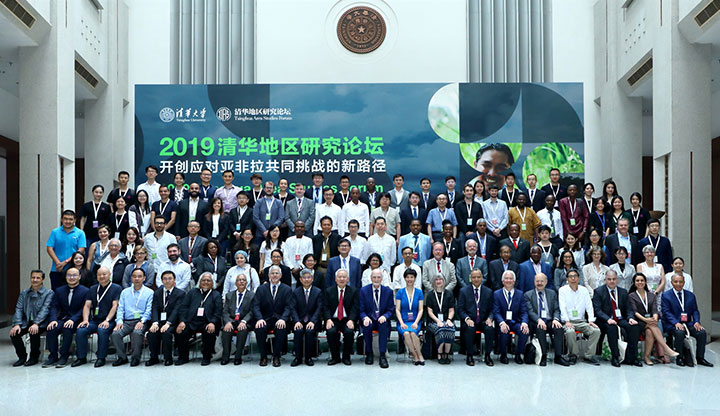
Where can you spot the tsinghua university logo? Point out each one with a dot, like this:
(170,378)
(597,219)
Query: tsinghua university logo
(167,114)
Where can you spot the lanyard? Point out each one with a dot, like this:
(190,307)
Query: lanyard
(122,195)
(508,298)
(657,243)
(644,302)
(510,197)
(137,301)
(270,205)
(522,216)
(238,300)
(549,248)
(531,193)
(440,301)
(410,298)
(118,222)
(601,218)
(166,299)
(482,242)
(96,208)
(554,192)
(372,198)
(681,301)
(162,208)
(589,205)
(205,298)
(442,215)
(635,217)
(345,199)
(205,190)
(494,209)
(214,260)
(97,294)
(256,196)
(572,207)
(377,299)
(469,209)
(614,298)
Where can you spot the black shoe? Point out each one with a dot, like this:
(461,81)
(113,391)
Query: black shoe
(61,363)
(119,362)
(705,362)
(168,362)
(369,359)
(689,363)
(572,359)
(518,359)
(49,363)
(205,362)
(296,362)
(99,362)
(503,359)
(237,361)
(181,361)
(151,362)
(309,362)
(225,361)
(276,361)
(347,361)
(383,361)
(614,362)
(333,361)
(134,362)
(591,360)
(20,362)
(680,362)
(469,360)
(543,361)
(489,361)
(31,362)
(561,361)
(634,363)
(263,362)
(79,362)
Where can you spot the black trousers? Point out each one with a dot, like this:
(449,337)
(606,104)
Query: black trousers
(632,334)
(305,341)
(333,337)
(208,340)
(34,343)
(155,339)
(278,341)
(679,338)
(556,334)
(469,336)
(226,339)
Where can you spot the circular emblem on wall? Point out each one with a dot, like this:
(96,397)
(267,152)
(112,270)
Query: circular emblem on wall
(223,114)
(361,30)
(167,114)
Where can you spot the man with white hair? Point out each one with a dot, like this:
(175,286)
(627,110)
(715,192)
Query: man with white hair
(201,312)
(115,261)
(272,311)
(511,315)
(237,318)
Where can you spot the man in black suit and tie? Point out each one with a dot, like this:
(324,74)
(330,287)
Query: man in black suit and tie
(509,193)
(65,313)
(487,242)
(535,197)
(519,248)
(544,313)
(201,312)
(237,319)
(623,237)
(190,209)
(467,213)
(427,200)
(300,209)
(241,217)
(192,246)
(272,313)
(370,197)
(307,306)
(412,212)
(499,266)
(474,305)
(167,302)
(341,313)
(554,188)
(610,303)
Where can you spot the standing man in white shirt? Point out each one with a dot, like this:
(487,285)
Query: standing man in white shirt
(327,209)
(359,243)
(157,243)
(575,302)
(550,216)
(495,212)
(407,263)
(178,266)
(295,249)
(383,244)
(355,210)
(150,186)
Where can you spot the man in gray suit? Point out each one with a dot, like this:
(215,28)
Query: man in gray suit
(544,316)
(469,263)
(399,197)
(192,246)
(302,209)
(237,319)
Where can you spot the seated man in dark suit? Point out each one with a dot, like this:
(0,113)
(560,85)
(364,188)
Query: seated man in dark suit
(344,261)
(474,306)
(201,312)
(509,311)
(65,313)
(487,243)
(167,302)
(519,248)
(544,317)
(680,314)
(497,267)
(272,313)
(376,308)
(307,305)
(237,319)
(341,313)
(276,257)
(611,309)
(530,268)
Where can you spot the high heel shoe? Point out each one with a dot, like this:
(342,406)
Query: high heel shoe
(648,361)
(672,353)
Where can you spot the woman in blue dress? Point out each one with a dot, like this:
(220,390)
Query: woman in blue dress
(409,311)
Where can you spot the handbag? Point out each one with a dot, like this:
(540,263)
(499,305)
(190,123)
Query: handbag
(690,344)
(536,343)
(530,353)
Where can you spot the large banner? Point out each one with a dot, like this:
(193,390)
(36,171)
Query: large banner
(471,131)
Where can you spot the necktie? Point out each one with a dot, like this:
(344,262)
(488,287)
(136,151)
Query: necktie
(541,302)
(307,295)
(438,267)
(274,291)
(680,296)
(70,296)
(614,305)
(515,243)
(340,305)
(425,197)
(552,222)
(477,308)
(299,205)
(240,296)
(192,242)
(532,195)
(377,296)
(451,197)
(472,262)
(415,212)
(344,263)
(317,195)
(415,244)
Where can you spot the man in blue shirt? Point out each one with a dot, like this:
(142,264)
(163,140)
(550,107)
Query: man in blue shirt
(62,243)
(133,312)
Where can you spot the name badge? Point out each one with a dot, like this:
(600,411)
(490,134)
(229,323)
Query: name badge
(647,315)
(415,256)
(237,227)
(97,311)
(441,317)
(411,316)
(297,257)
(154,256)
(495,221)
(469,221)
(237,316)
(117,236)
(382,257)
(96,224)
(192,218)
(523,227)
(377,314)
(323,257)
(683,317)
(572,221)
(655,259)
(163,316)
(136,315)
(508,316)
(544,314)
(574,313)
(201,312)
(552,230)
(618,313)
(267,217)
(636,230)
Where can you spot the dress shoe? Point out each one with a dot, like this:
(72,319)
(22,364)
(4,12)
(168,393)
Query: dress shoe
(634,363)
(99,362)
(572,359)
(416,363)
(263,362)
(168,362)
(61,363)
(181,361)
(276,361)
(79,362)
(518,359)
(543,361)
(152,361)
(614,362)
(489,361)
(680,362)
(383,361)
(369,359)
(31,362)
(421,363)
(705,362)
(333,361)
(49,363)
(561,361)
(120,361)
(591,360)
(134,362)
(309,362)
(237,361)
(205,362)
(225,361)
(20,362)
(296,362)
(347,361)
(688,363)
(469,360)
(503,359)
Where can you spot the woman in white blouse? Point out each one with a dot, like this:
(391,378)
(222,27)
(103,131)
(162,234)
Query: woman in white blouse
(678,266)
(241,267)
(594,272)
(654,273)
(272,241)
(374,261)
(139,213)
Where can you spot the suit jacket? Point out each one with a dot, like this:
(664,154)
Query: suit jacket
(206,227)
(664,251)
(266,308)
(367,302)
(466,303)
(505,196)
(519,254)
(350,302)
(491,245)
(462,269)
(312,309)
(517,306)
(612,242)
(602,304)
(424,248)
(404,201)
(461,214)
(430,202)
(365,198)
(429,271)
(406,216)
(286,277)
(551,305)
(562,193)
(307,215)
(671,309)
(318,239)
(580,216)
(338,198)
(118,271)
(495,270)
(173,308)
(61,310)
(526,275)
(202,264)
(245,221)
(355,272)
(260,211)
(197,250)
(183,215)
(538,202)
(636,305)
(456,250)
(246,306)
(457,196)
(212,307)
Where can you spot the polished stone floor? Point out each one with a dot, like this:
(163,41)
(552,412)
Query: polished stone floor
(402,389)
